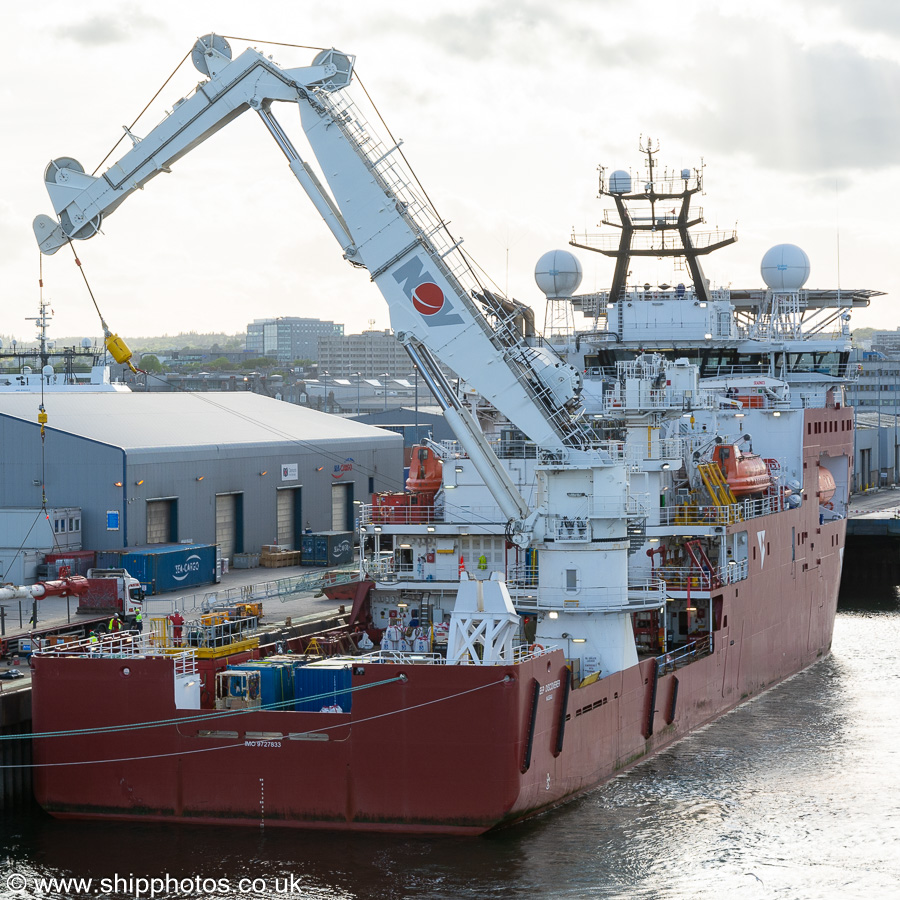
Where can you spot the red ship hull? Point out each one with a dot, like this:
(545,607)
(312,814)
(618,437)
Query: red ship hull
(447,749)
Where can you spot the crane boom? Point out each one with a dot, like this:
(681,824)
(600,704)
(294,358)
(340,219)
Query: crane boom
(385,223)
(372,208)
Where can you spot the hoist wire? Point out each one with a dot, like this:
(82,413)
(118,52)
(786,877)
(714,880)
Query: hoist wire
(161,88)
(421,187)
(333,457)
(201,717)
(327,728)
(232,37)
(326,454)
(87,285)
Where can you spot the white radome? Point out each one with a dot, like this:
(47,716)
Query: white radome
(785,267)
(620,182)
(558,273)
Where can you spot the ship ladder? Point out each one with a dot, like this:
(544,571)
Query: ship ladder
(709,578)
(716,484)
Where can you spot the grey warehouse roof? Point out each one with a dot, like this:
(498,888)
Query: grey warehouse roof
(191,419)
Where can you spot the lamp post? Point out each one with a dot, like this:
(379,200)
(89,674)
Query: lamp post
(384,385)
(894,410)
(358,379)
(325,392)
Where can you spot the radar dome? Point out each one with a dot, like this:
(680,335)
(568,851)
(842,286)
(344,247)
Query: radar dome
(47,371)
(785,267)
(558,273)
(620,182)
(86,343)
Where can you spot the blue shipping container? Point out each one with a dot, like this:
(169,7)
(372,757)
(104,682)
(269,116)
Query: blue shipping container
(164,567)
(307,549)
(333,548)
(275,680)
(108,559)
(316,686)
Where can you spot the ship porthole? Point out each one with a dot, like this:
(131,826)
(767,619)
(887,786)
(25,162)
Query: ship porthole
(126,671)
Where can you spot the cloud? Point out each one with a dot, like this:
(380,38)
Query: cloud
(115,27)
(870,15)
(796,108)
(518,31)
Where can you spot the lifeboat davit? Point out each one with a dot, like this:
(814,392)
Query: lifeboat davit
(827,487)
(746,473)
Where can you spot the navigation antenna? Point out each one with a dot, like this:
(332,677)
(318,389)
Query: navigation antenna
(663,230)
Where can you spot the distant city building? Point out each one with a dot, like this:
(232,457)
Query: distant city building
(289,338)
(877,386)
(370,354)
(887,342)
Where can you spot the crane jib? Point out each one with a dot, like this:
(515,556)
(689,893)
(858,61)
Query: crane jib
(428,299)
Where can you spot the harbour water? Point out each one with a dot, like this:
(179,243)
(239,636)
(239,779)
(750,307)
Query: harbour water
(793,795)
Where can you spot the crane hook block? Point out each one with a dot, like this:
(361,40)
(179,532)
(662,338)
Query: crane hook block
(118,349)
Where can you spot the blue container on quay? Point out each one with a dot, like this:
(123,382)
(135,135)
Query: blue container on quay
(307,549)
(164,567)
(333,548)
(320,685)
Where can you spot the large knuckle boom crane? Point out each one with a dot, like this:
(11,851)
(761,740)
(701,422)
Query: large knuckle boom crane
(384,223)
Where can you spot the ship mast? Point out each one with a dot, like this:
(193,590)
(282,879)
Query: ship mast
(42,321)
(652,233)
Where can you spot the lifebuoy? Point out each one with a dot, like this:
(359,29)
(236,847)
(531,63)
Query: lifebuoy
(535,647)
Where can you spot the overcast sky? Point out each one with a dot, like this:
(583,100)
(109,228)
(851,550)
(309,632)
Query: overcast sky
(506,109)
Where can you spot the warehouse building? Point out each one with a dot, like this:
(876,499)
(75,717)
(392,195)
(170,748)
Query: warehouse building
(240,470)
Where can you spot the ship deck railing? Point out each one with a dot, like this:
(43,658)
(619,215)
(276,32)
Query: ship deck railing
(503,447)
(372,517)
(690,578)
(727,514)
(281,588)
(124,645)
(521,653)
(637,594)
(680,657)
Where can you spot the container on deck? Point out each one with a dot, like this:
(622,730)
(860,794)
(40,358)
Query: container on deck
(276,680)
(323,684)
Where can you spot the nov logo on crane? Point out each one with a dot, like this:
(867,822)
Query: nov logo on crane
(426,296)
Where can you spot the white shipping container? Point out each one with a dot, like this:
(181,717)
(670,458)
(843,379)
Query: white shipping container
(19,566)
(58,529)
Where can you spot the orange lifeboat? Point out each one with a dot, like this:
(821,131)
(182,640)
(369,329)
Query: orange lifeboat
(827,487)
(746,473)
(425,471)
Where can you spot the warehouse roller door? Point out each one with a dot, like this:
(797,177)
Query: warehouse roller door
(229,525)
(288,517)
(342,507)
(162,521)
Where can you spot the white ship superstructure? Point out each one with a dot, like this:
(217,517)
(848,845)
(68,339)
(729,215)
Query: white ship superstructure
(694,396)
